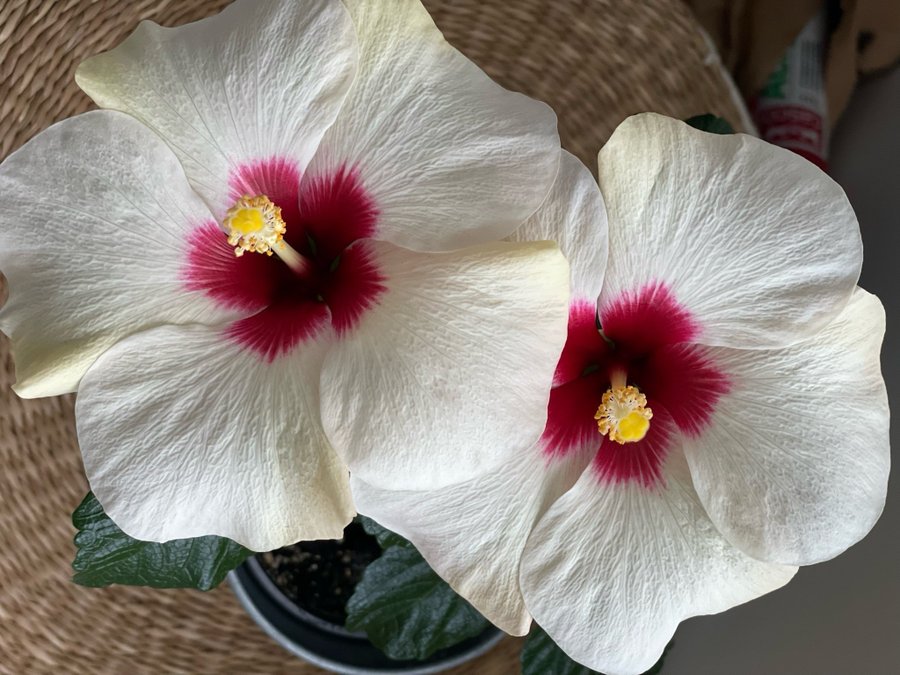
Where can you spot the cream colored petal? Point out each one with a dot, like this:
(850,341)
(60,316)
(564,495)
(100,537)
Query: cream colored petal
(472,534)
(574,216)
(450,158)
(258,82)
(185,433)
(95,218)
(448,376)
(794,465)
(611,569)
(757,243)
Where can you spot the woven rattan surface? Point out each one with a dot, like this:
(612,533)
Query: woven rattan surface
(594,61)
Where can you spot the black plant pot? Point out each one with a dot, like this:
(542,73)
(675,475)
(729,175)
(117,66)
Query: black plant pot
(329,645)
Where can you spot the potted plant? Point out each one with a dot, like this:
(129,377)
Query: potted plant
(303,596)
(343,271)
(366,603)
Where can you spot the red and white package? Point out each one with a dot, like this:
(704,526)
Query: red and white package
(791,111)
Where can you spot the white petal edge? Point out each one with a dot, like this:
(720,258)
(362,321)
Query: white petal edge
(186,434)
(574,216)
(473,534)
(758,243)
(450,374)
(95,213)
(611,570)
(451,158)
(794,465)
(258,81)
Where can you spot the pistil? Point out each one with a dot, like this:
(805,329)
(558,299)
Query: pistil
(623,414)
(255,224)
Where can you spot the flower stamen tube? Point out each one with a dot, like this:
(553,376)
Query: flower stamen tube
(255,224)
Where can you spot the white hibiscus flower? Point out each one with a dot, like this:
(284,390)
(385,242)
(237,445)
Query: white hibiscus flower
(729,423)
(352,141)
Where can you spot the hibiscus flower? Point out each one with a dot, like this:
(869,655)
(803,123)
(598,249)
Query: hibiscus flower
(718,415)
(286,206)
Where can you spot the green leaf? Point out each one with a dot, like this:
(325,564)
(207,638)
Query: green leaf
(105,555)
(541,656)
(385,537)
(710,123)
(406,609)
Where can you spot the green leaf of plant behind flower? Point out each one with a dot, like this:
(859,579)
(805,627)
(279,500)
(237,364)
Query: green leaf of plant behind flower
(105,555)
(542,656)
(385,537)
(404,607)
(710,123)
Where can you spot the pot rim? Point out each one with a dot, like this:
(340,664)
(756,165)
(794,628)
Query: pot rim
(238,586)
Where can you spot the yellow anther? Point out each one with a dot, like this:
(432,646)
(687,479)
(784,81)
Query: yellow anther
(254,224)
(623,414)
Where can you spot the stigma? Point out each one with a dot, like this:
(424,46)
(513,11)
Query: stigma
(623,414)
(255,224)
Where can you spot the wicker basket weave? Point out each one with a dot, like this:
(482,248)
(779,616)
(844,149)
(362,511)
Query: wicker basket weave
(594,61)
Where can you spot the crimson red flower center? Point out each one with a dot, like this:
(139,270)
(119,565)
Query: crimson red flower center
(328,219)
(649,336)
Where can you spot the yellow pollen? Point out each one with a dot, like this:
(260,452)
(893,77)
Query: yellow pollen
(254,224)
(623,414)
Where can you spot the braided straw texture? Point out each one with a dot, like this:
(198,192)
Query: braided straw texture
(594,61)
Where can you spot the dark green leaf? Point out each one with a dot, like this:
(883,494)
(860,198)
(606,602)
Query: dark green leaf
(406,609)
(777,80)
(710,123)
(105,555)
(541,656)
(385,537)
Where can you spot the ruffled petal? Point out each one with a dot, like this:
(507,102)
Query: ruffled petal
(95,217)
(473,534)
(448,376)
(574,216)
(186,433)
(794,465)
(758,244)
(612,568)
(451,158)
(243,97)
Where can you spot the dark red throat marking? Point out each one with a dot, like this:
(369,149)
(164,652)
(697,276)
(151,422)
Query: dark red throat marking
(649,335)
(328,219)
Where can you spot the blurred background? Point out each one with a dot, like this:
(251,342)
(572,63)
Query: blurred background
(842,616)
